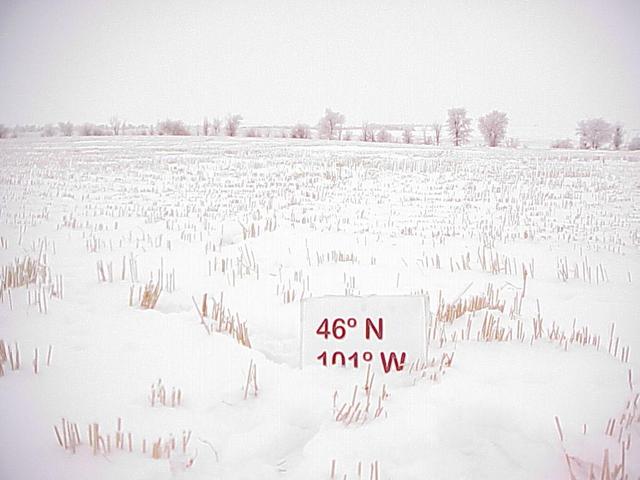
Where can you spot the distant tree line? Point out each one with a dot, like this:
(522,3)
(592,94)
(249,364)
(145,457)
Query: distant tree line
(596,133)
(593,133)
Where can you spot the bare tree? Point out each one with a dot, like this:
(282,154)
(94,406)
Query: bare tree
(48,130)
(407,134)
(172,127)
(232,124)
(114,123)
(301,130)
(367,132)
(205,127)
(493,127)
(426,139)
(634,144)
(66,128)
(593,132)
(437,129)
(4,131)
(86,129)
(216,123)
(459,126)
(383,136)
(618,136)
(253,132)
(330,123)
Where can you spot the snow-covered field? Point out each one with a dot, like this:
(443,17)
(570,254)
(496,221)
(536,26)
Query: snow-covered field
(531,259)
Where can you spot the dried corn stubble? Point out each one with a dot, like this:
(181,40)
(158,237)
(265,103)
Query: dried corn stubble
(218,318)
(100,443)
(362,471)
(365,404)
(11,358)
(162,396)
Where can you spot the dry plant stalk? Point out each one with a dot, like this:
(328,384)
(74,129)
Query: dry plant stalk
(102,277)
(3,356)
(448,312)
(150,295)
(251,383)
(239,267)
(30,272)
(361,471)
(492,329)
(621,428)
(68,437)
(360,411)
(159,395)
(23,272)
(433,370)
(12,356)
(220,319)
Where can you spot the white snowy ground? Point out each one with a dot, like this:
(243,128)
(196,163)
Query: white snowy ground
(170,201)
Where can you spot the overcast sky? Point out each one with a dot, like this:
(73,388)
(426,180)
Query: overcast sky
(546,63)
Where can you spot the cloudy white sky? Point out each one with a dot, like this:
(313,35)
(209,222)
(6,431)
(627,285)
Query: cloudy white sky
(546,63)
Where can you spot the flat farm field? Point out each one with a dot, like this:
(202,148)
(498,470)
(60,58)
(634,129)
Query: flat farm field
(150,305)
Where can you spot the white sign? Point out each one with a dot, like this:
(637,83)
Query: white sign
(387,332)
